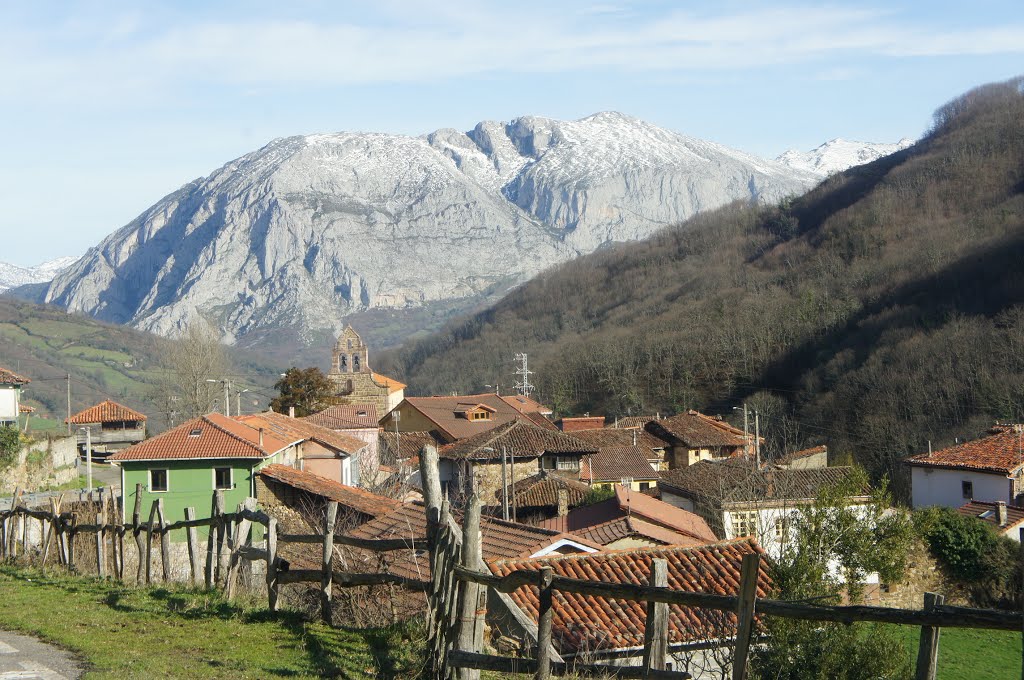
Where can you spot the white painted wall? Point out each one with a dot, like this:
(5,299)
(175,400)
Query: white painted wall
(942,487)
(9,403)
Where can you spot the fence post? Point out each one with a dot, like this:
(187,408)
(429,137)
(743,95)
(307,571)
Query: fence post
(746,600)
(48,534)
(70,538)
(656,623)
(141,571)
(193,545)
(222,537)
(928,647)
(149,543)
(216,508)
(237,545)
(11,533)
(101,566)
(327,579)
(470,635)
(272,588)
(165,541)
(544,625)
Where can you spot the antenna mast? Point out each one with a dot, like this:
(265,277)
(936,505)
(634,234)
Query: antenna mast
(523,373)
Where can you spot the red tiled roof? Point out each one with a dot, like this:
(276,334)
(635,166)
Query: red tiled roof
(106,412)
(630,526)
(404,445)
(345,417)
(519,437)
(580,423)
(697,430)
(586,623)
(442,412)
(390,383)
(609,436)
(796,455)
(351,496)
(632,422)
(737,480)
(615,463)
(1002,451)
(217,436)
(296,429)
(988,512)
(12,378)
(525,404)
(541,490)
(25,408)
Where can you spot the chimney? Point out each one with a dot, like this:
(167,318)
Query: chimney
(634,437)
(563,502)
(1001,513)
(291,411)
(261,437)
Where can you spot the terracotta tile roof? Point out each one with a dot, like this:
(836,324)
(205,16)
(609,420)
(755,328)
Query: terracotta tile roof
(633,504)
(25,408)
(1002,451)
(346,417)
(738,481)
(697,430)
(615,463)
(390,383)
(988,512)
(520,437)
(296,429)
(622,437)
(403,445)
(525,404)
(580,423)
(540,419)
(632,527)
(106,412)
(498,538)
(585,623)
(541,490)
(350,496)
(442,412)
(12,378)
(631,422)
(209,436)
(796,455)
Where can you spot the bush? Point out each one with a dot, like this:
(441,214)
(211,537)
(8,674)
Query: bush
(10,443)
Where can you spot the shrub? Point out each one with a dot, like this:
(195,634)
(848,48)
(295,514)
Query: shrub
(10,443)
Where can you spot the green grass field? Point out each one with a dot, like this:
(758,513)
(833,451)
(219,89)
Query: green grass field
(972,653)
(127,632)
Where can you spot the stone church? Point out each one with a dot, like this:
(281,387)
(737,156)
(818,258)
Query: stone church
(356,381)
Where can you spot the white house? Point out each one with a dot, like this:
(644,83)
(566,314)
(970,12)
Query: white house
(1008,520)
(986,469)
(10,396)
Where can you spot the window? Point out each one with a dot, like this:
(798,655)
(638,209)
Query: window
(158,480)
(222,478)
(355,363)
(644,486)
(481,415)
(744,524)
(780,529)
(567,463)
(968,489)
(344,362)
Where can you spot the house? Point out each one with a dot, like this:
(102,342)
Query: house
(814,457)
(577,423)
(986,469)
(617,465)
(525,447)
(10,396)
(655,450)
(738,499)
(604,630)
(543,495)
(630,519)
(632,422)
(1008,520)
(280,486)
(693,436)
(356,382)
(352,420)
(112,427)
(186,464)
(324,452)
(402,446)
(458,417)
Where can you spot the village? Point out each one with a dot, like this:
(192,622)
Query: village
(685,502)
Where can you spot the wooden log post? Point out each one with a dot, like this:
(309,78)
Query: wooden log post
(11,532)
(216,510)
(101,558)
(165,541)
(48,534)
(656,624)
(238,539)
(327,582)
(149,542)
(141,571)
(746,600)
(192,535)
(272,585)
(222,537)
(546,615)
(471,614)
(928,647)
(70,536)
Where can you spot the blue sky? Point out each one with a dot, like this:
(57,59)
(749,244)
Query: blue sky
(108,106)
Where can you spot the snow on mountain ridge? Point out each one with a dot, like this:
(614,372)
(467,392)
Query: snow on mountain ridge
(839,154)
(12,275)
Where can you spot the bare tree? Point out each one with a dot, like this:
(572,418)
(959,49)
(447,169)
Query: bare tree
(196,358)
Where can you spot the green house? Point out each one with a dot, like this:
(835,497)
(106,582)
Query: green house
(186,465)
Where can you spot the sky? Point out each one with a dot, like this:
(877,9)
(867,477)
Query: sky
(105,107)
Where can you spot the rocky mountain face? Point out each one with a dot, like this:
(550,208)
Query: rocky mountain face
(297,235)
(12,276)
(839,154)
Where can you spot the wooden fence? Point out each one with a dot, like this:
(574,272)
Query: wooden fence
(460,582)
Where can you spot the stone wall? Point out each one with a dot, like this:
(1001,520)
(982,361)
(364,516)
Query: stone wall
(923,575)
(365,390)
(41,463)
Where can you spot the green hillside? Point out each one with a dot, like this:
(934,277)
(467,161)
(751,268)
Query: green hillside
(883,309)
(45,343)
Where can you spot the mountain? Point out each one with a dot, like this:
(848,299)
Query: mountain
(279,246)
(838,155)
(880,311)
(12,276)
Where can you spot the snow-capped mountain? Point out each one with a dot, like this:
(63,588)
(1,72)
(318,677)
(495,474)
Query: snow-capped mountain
(12,276)
(838,155)
(308,229)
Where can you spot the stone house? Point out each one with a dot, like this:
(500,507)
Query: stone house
(460,416)
(352,420)
(693,436)
(356,382)
(814,457)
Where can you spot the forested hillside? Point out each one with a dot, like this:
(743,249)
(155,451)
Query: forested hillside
(883,309)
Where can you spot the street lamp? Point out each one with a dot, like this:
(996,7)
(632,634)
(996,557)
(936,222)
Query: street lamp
(88,455)
(227,394)
(238,401)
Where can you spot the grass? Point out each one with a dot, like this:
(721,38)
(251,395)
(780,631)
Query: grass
(973,653)
(126,632)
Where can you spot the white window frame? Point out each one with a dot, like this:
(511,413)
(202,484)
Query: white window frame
(747,519)
(231,478)
(167,478)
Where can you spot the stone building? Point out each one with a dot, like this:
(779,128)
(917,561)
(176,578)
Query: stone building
(356,381)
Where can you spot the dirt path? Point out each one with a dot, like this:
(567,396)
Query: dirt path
(25,658)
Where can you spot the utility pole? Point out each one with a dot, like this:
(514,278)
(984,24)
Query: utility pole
(238,401)
(504,484)
(757,438)
(524,373)
(88,455)
(227,394)
(68,378)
